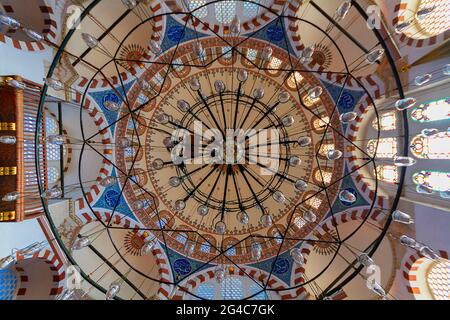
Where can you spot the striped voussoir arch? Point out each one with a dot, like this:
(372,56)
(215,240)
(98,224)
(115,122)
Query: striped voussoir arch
(55,265)
(205,275)
(107,167)
(357,214)
(248,26)
(353,128)
(410,269)
(402,14)
(50,30)
(164,270)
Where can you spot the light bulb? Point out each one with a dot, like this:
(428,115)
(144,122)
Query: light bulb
(343,10)
(235,26)
(67,294)
(294,161)
(194,83)
(180,205)
(347,196)
(401,161)
(427,252)
(148,246)
(288,121)
(7,262)
(429,132)
(334,154)
(56,139)
(174,182)
(183,105)
(407,241)
(242,75)
(446,70)
(304,141)
(402,26)
(36,36)
(220,227)
(256,251)
(309,216)
(158,164)
(424,189)
(315,93)
(138,205)
(284,97)
(90,40)
(348,117)
(266,220)
(242,217)
(300,185)
(401,217)
(376,287)
(279,197)
(365,260)
(375,56)
(9,22)
(154,47)
(266,54)
(258,93)
(404,104)
(54,84)
(113,290)
(219,273)
(16,84)
(219,86)
(297,256)
(9,140)
(202,210)
(80,243)
(10,197)
(130,4)
(52,193)
(421,80)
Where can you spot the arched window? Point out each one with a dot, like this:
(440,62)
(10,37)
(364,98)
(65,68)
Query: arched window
(277,237)
(294,80)
(51,125)
(437,21)
(162,223)
(275,64)
(438,280)
(225,11)
(320,124)
(205,247)
(324,148)
(8,284)
(181,238)
(231,288)
(227,52)
(314,202)
(200,13)
(231,250)
(323,175)
(178,64)
(432,111)
(387,173)
(385,148)
(299,222)
(251,9)
(252,54)
(434,147)
(387,121)
(438,181)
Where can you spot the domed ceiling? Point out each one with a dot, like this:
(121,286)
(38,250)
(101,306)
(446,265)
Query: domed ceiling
(228,137)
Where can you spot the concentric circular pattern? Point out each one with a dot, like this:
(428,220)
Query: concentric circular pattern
(226,190)
(439,280)
(269,196)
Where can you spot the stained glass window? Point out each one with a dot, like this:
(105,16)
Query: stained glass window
(251,9)
(252,54)
(299,222)
(232,289)
(435,147)
(181,238)
(51,126)
(314,202)
(225,11)
(227,52)
(205,247)
(387,121)
(200,13)
(385,148)
(53,152)
(277,237)
(275,64)
(53,174)
(438,280)
(130,152)
(432,111)
(320,124)
(8,284)
(326,173)
(388,173)
(231,250)
(162,223)
(254,288)
(294,80)
(178,64)
(324,148)
(437,21)
(206,291)
(438,181)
